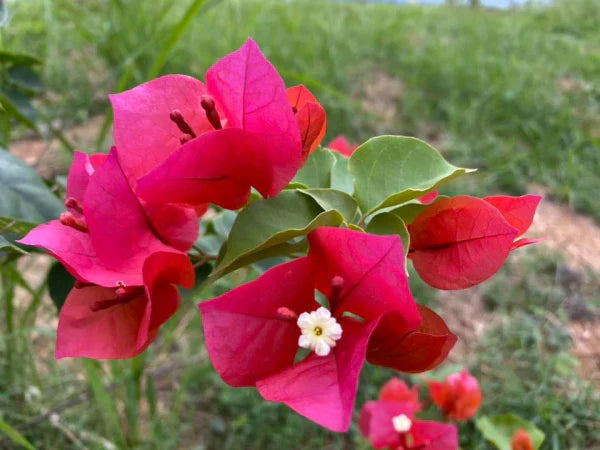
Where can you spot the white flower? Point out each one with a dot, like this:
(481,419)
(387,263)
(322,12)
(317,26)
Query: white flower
(319,331)
(401,423)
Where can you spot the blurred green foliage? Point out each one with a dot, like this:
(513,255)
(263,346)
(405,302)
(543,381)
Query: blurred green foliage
(515,93)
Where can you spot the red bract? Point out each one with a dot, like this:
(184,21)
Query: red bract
(107,323)
(311,118)
(392,424)
(252,332)
(521,440)
(458,396)
(396,390)
(238,130)
(461,241)
(107,243)
(340,144)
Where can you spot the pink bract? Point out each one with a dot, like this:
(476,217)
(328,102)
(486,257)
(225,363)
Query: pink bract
(376,423)
(238,131)
(341,145)
(111,237)
(369,281)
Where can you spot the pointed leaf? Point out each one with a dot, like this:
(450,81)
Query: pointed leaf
(390,170)
(267,223)
(25,197)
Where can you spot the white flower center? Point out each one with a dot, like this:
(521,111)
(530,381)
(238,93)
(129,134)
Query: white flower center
(319,331)
(401,423)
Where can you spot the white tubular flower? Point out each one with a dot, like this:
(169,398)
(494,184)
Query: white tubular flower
(319,331)
(402,423)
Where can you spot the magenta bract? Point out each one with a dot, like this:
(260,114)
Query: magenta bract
(238,131)
(252,333)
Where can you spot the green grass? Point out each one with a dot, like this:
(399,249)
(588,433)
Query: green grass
(522,362)
(514,93)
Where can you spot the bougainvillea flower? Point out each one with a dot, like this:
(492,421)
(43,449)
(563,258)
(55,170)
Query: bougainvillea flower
(120,322)
(461,241)
(187,142)
(253,332)
(125,275)
(458,396)
(396,390)
(340,144)
(392,424)
(311,118)
(105,236)
(521,440)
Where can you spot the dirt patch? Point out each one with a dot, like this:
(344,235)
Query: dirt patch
(574,236)
(49,157)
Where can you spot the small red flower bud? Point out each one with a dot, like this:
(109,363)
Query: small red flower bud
(458,396)
(521,440)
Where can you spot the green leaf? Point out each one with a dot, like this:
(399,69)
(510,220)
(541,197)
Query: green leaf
(24,77)
(388,223)
(6,244)
(409,212)
(316,172)
(15,226)
(341,178)
(173,37)
(21,59)
(500,429)
(60,283)
(264,228)
(15,436)
(329,199)
(391,170)
(19,106)
(25,197)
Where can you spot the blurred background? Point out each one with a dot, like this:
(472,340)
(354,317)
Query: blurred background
(509,87)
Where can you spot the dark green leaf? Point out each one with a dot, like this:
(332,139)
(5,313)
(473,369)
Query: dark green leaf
(316,172)
(60,283)
(500,429)
(388,223)
(19,106)
(331,199)
(391,170)
(10,58)
(6,245)
(25,78)
(25,197)
(15,226)
(15,436)
(268,223)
